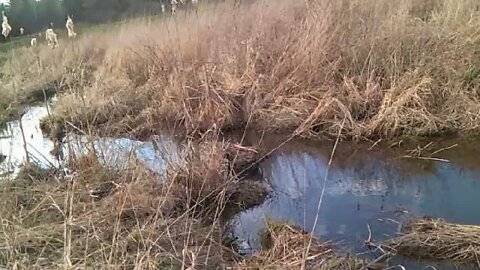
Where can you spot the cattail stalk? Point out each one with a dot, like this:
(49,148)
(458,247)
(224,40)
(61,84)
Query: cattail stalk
(69,25)
(6,28)
(174,4)
(51,38)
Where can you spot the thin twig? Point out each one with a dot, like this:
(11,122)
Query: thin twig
(444,149)
(320,201)
(428,158)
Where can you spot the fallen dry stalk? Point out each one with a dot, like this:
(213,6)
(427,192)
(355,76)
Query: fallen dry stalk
(438,240)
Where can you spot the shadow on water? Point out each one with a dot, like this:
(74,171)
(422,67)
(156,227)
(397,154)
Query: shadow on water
(364,187)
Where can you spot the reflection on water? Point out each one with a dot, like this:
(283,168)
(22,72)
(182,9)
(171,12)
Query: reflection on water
(11,142)
(152,154)
(112,151)
(362,187)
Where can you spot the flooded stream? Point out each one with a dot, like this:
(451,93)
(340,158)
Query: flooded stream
(376,188)
(364,187)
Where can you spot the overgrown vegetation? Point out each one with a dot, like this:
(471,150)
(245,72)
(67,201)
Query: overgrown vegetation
(122,217)
(384,69)
(374,69)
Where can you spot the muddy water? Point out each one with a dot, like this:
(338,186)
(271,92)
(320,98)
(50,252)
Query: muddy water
(376,188)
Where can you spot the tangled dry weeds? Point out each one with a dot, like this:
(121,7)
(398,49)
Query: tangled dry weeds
(287,247)
(402,70)
(128,218)
(438,240)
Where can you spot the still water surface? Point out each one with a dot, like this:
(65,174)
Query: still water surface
(364,187)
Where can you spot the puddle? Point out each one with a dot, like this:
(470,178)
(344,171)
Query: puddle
(363,188)
(112,151)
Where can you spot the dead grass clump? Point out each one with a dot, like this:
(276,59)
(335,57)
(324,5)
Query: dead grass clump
(406,106)
(437,240)
(286,247)
(204,176)
(124,217)
(101,217)
(207,181)
(188,83)
(30,173)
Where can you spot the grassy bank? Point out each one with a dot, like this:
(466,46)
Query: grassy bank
(438,240)
(382,69)
(124,217)
(99,217)
(288,247)
(29,75)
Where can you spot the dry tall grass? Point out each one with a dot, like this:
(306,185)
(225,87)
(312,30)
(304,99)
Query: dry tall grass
(38,73)
(384,69)
(128,217)
(390,69)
